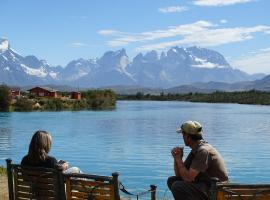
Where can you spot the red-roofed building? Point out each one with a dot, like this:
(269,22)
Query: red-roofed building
(15,92)
(76,95)
(44,92)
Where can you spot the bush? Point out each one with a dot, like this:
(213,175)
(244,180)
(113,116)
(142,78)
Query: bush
(23,105)
(79,105)
(100,99)
(54,105)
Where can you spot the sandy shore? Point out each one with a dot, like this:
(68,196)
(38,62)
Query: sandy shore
(3,188)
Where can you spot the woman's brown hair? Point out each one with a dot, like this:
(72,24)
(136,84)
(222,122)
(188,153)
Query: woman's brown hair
(40,146)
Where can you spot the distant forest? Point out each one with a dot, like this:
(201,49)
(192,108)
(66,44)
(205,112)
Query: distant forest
(243,97)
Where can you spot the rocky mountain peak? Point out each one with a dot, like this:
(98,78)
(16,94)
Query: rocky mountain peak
(4,45)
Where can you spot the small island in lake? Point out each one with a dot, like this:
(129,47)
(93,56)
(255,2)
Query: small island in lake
(49,99)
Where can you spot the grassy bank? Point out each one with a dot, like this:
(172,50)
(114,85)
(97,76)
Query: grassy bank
(3,184)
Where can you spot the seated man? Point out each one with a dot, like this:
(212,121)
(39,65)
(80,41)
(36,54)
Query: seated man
(193,177)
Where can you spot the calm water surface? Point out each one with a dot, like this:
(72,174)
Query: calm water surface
(135,139)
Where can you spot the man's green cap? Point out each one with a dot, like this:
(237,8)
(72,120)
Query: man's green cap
(190,127)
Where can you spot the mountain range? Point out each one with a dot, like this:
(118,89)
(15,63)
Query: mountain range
(177,66)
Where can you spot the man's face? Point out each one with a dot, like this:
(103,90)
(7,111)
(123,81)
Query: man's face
(185,138)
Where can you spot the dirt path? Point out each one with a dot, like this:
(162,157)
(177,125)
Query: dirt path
(3,188)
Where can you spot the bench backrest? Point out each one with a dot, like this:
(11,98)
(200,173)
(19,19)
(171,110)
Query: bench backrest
(87,187)
(233,191)
(34,183)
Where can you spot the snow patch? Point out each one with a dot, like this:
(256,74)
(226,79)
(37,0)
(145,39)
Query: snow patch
(14,51)
(7,69)
(123,63)
(41,72)
(53,75)
(203,63)
(5,57)
(4,45)
(174,50)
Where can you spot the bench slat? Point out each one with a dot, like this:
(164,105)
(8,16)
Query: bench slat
(242,191)
(86,195)
(79,187)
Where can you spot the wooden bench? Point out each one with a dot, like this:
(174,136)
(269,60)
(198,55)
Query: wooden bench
(34,182)
(234,191)
(88,187)
(47,183)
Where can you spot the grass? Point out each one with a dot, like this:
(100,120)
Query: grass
(3,171)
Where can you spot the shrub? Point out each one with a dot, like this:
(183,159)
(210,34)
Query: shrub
(54,105)
(23,105)
(100,99)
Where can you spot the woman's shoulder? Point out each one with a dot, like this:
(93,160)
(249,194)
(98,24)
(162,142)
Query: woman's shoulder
(51,161)
(25,160)
(51,158)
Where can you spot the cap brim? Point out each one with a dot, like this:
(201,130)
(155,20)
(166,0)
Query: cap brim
(179,130)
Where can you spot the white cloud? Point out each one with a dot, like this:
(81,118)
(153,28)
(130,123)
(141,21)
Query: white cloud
(255,63)
(218,2)
(210,37)
(173,9)
(202,33)
(223,21)
(107,32)
(77,45)
(123,38)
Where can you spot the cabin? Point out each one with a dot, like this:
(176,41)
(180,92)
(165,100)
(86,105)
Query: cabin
(76,95)
(44,92)
(15,92)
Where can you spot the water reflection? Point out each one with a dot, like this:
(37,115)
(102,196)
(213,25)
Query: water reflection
(5,135)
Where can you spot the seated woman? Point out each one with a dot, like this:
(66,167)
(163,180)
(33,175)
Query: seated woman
(37,156)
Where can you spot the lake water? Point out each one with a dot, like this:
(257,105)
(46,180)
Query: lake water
(135,139)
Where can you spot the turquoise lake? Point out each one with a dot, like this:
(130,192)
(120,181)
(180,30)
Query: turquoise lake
(135,139)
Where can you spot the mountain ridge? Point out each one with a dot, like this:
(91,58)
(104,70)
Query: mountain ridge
(177,66)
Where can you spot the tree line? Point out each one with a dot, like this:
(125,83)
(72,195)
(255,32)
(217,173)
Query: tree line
(241,97)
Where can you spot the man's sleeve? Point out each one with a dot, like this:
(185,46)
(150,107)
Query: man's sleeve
(201,161)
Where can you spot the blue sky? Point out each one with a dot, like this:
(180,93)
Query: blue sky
(63,30)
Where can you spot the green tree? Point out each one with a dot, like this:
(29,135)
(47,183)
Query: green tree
(5,98)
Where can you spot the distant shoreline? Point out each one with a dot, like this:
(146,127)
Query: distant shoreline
(251,97)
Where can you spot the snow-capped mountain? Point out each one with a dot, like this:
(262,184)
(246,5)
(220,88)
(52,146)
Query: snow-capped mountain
(18,70)
(166,69)
(180,66)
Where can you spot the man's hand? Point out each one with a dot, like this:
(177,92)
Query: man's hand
(177,152)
